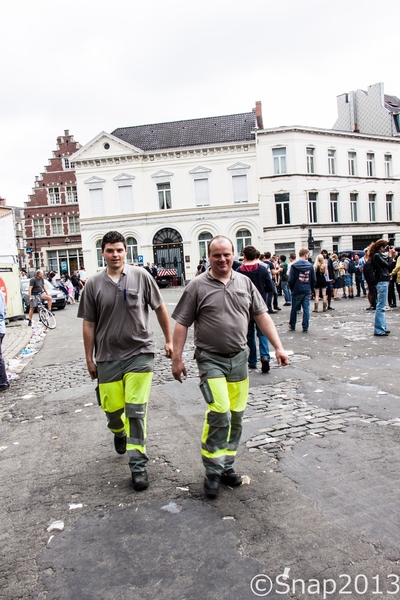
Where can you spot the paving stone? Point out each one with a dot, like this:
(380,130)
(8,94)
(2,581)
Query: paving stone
(333,427)
(265,430)
(320,430)
(313,426)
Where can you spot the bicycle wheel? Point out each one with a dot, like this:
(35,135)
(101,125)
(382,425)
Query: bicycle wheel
(47,318)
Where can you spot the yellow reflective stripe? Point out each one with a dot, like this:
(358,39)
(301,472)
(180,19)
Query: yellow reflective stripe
(112,396)
(206,427)
(219,390)
(221,452)
(141,449)
(137,387)
(238,392)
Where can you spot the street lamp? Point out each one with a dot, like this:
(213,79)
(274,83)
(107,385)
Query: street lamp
(36,255)
(67,241)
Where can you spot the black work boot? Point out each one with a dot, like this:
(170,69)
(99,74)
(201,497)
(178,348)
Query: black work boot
(211,485)
(229,477)
(140,481)
(120,443)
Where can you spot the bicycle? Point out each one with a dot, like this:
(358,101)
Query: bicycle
(45,316)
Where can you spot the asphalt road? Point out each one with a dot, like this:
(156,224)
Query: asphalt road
(320,449)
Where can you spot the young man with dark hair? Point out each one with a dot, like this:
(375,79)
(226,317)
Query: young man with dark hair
(301,282)
(260,276)
(119,347)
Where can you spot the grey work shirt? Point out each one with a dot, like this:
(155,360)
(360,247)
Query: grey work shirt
(220,312)
(121,313)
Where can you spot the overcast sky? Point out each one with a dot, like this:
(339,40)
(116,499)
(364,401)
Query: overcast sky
(90,66)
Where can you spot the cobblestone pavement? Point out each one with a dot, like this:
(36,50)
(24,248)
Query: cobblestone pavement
(289,416)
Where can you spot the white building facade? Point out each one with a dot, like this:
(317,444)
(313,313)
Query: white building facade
(181,184)
(343,186)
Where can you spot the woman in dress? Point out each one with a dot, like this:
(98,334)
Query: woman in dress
(320,286)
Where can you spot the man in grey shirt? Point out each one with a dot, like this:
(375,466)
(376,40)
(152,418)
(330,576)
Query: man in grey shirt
(118,336)
(220,303)
(37,289)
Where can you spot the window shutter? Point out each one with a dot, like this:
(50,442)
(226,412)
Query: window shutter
(96,202)
(125,199)
(239,184)
(201,192)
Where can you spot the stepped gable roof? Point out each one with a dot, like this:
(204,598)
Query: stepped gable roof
(193,132)
(392,103)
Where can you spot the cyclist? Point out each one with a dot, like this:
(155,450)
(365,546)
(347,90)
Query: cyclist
(37,289)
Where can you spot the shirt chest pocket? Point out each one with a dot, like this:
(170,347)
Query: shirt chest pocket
(241,300)
(132,298)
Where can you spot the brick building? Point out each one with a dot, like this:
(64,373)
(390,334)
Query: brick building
(52,230)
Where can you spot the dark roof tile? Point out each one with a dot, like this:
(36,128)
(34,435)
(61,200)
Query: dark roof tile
(193,132)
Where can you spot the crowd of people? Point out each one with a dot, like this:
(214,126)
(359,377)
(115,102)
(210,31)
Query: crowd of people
(232,297)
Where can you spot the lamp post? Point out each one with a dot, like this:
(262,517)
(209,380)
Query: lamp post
(67,241)
(34,249)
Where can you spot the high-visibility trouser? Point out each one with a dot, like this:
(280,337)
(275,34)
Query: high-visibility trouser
(224,384)
(124,389)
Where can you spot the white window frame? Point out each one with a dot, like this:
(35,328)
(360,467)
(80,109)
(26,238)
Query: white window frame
(354,207)
(389,207)
(56,226)
(312,207)
(74,226)
(72,194)
(162,192)
(284,208)
(370,164)
(331,161)
(334,206)
(131,249)
(352,163)
(68,165)
(96,205)
(310,157)
(201,191)
(279,159)
(388,165)
(372,207)
(101,263)
(39,227)
(54,195)
(240,194)
(126,200)
(203,244)
(245,240)
(240,191)
(162,177)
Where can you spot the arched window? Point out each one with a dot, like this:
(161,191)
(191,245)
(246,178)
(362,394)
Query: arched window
(132,252)
(203,239)
(243,238)
(100,260)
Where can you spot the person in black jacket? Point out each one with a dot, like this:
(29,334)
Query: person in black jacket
(260,276)
(383,265)
(301,282)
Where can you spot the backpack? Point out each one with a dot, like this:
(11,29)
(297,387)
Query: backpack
(369,273)
(351,267)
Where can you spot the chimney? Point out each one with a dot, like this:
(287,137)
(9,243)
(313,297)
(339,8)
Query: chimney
(66,132)
(2,201)
(259,118)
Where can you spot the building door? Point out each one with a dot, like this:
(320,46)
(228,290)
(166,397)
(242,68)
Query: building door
(363,241)
(168,252)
